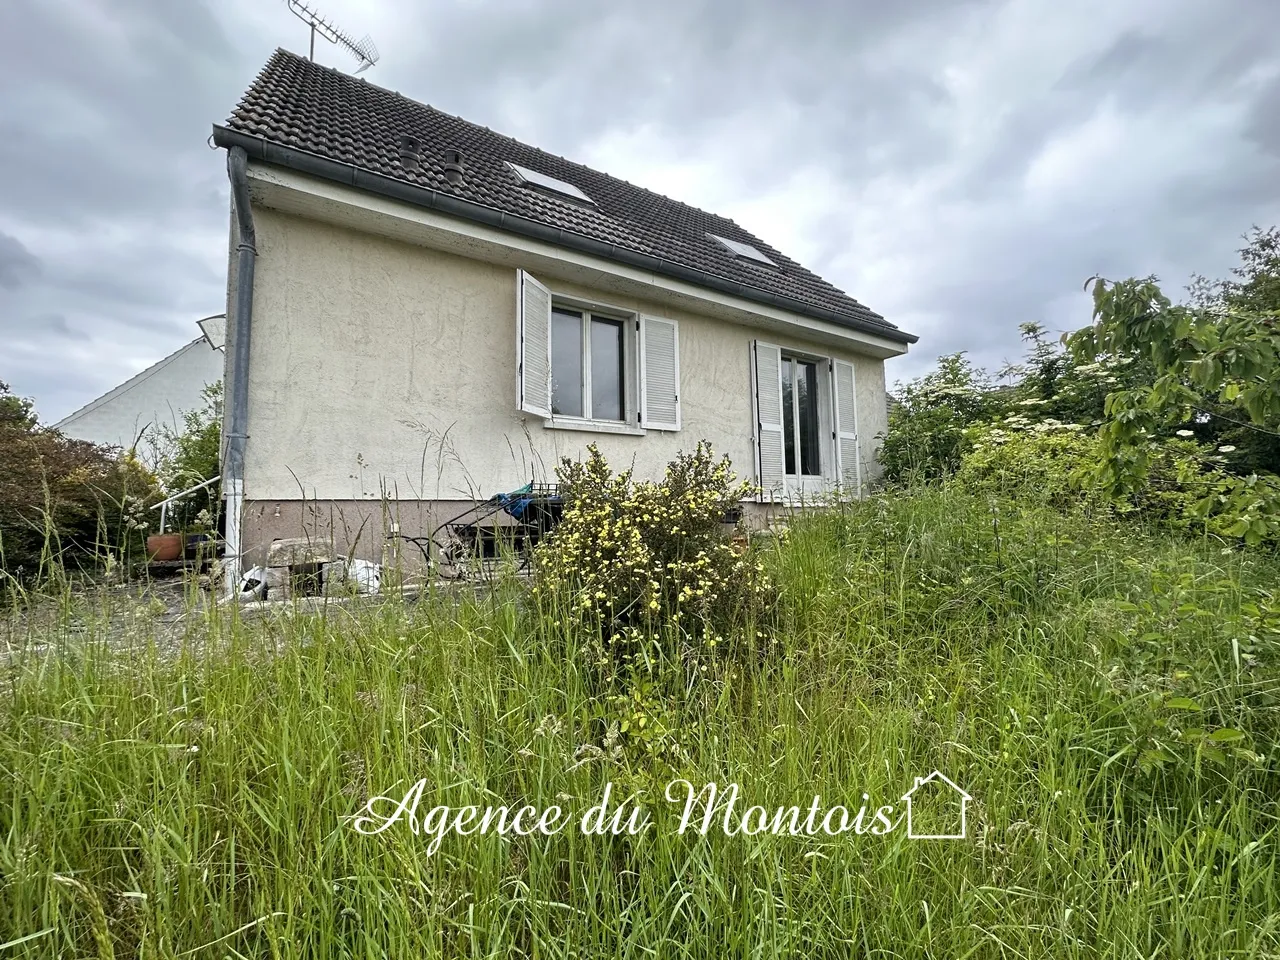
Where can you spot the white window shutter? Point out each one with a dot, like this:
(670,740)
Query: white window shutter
(533,346)
(766,378)
(659,374)
(845,402)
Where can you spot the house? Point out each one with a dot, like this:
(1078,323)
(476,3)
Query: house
(936,808)
(131,415)
(422,312)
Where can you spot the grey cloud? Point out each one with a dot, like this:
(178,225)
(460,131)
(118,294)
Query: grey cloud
(94,128)
(106,183)
(1196,57)
(1138,72)
(679,68)
(1194,167)
(1263,125)
(17,264)
(56,324)
(105,174)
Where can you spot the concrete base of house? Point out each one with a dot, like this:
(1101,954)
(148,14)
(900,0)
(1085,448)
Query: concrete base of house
(385,531)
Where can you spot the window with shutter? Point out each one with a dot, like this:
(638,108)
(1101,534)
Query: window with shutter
(659,374)
(533,345)
(845,402)
(766,376)
(592,355)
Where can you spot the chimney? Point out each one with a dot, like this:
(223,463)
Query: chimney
(453,168)
(409,148)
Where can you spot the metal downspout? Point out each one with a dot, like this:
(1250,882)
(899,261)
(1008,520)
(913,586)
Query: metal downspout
(238,369)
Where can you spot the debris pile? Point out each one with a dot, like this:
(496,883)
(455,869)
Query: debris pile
(298,567)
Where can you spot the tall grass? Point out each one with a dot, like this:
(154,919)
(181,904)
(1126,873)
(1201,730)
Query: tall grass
(1108,697)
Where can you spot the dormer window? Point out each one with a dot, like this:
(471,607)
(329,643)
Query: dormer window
(541,181)
(740,249)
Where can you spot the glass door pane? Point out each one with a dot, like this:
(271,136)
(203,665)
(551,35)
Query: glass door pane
(807,415)
(789,415)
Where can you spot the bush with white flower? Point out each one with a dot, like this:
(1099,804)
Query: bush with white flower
(1045,460)
(1186,484)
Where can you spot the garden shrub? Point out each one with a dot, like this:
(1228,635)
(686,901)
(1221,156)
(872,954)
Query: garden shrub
(1187,485)
(1017,458)
(1184,487)
(641,569)
(65,500)
(926,436)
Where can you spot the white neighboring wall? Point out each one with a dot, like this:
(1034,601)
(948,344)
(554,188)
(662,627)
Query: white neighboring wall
(157,396)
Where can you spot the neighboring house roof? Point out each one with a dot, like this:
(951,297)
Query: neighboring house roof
(160,393)
(297,111)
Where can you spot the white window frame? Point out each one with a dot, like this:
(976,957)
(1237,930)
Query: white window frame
(547,183)
(768,430)
(650,362)
(739,248)
(849,472)
(533,346)
(793,487)
(630,424)
(806,484)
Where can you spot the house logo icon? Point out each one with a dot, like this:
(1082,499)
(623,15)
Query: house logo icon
(936,790)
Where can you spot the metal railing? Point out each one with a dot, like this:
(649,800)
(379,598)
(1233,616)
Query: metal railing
(163,505)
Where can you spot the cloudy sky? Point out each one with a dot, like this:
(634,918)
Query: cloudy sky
(960,166)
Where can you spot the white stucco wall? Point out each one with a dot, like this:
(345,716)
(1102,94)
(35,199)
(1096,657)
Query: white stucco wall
(158,396)
(384,366)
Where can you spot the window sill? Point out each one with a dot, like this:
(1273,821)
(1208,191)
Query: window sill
(795,493)
(593,426)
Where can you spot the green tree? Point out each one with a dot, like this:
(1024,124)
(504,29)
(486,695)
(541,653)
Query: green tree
(1215,365)
(926,436)
(62,499)
(1052,384)
(191,456)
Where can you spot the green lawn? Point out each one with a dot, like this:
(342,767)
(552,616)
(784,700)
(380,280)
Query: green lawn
(1107,696)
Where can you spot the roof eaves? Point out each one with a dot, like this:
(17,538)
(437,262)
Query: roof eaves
(304,161)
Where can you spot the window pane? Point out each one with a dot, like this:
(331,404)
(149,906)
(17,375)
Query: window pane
(606,370)
(788,416)
(566,363)
(807,401)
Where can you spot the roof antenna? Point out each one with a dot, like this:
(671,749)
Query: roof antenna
(365,52)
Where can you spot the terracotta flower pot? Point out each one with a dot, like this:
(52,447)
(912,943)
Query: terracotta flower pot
(165,546)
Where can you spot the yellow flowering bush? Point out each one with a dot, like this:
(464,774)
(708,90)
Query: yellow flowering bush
(643,565)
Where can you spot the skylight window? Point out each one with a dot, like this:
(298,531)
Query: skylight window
(739,249)
(543,182)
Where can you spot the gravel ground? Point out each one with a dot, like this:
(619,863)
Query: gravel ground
(122,614)
(165,611)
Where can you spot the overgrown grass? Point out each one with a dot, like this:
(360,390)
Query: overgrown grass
(1056,667)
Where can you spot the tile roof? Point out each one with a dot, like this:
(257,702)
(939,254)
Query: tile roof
(317,110)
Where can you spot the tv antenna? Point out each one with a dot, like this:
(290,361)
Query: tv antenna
(365,52)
